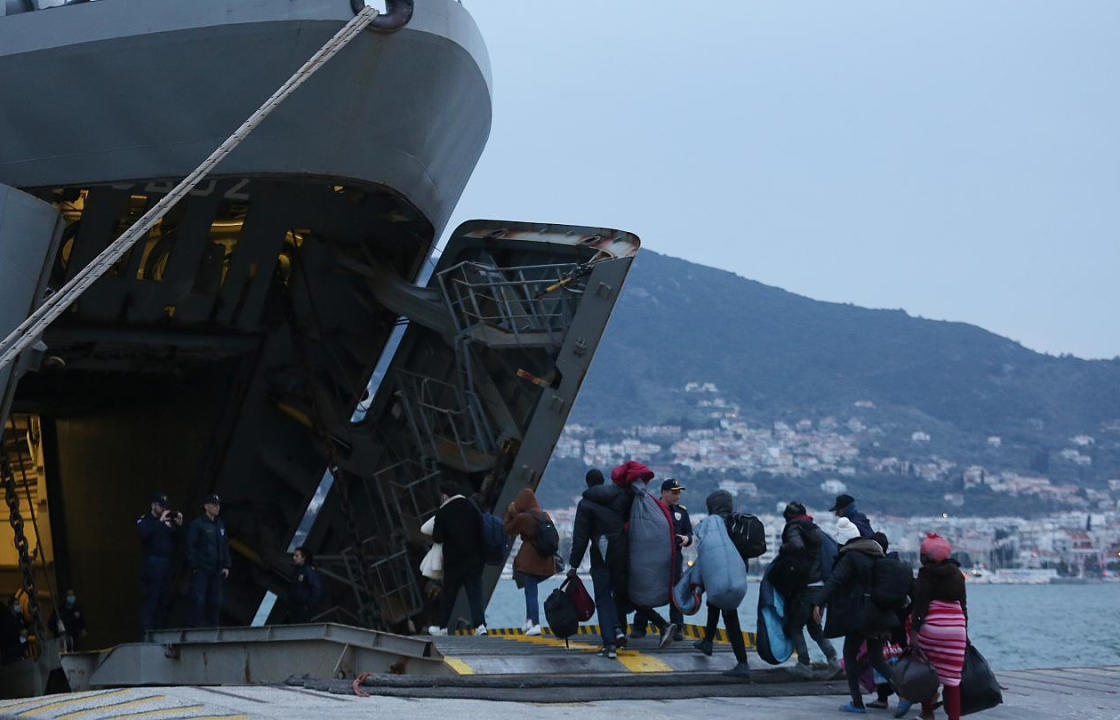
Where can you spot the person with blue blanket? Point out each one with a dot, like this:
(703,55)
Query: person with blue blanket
(723,571)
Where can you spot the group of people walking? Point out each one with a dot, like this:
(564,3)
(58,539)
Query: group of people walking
(832,580)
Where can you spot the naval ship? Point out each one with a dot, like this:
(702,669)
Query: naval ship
(284,336)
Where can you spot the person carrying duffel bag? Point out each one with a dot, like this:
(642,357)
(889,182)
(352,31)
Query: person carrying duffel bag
(939,621)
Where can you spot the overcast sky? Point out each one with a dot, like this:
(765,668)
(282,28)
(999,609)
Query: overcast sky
(958,160)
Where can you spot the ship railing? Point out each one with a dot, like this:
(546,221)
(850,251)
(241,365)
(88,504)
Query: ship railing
(530,305)
(385,595)
(447,420)
(409,491)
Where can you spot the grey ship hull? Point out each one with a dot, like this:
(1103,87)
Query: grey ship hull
(227,352)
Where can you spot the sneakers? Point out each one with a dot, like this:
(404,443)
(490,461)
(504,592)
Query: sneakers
(850,708)
(678,635)
(638,632)
(436,631)
(533,630)
(620,639)
(833,670)
(479,631)
(526,625)
(608,652)
(802,671)
(903,708)
(667,635)
(741,670)
(704,646)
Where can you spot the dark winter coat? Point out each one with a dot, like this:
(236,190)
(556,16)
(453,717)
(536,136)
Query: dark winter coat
(859,520)
(459,527)
(157,540)
(521,519)
(600,520)
(939,581)
(801,542)
(72,617)
(848,592)
(207,544)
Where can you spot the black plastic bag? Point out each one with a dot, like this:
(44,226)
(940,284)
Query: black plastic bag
(979,688)
(914,679)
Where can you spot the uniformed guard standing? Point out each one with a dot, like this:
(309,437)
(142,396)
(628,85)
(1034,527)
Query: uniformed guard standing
(208,557)
(158,531)
(682,527)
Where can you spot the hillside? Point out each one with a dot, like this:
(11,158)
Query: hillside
(781,356)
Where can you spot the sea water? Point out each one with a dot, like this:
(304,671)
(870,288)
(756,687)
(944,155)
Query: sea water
(1014,626)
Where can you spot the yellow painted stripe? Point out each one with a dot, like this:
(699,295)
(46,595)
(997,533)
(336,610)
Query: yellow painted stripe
(635,661)
(35,701)
(71,701)
(458,665)
(159,713)
(689,630)
(220,717)
(113,707)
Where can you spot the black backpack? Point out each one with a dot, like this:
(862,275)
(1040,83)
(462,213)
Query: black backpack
(560,611)
(547,541)
(891,581)
(747,533)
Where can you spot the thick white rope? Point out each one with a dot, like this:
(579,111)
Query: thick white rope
(30,329)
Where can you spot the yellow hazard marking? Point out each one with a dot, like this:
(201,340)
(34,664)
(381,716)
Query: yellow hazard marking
(71,701)
(635,661)
(159,713)
(220,717)
(34,701)
(458,665)
(689,630)
(116,706)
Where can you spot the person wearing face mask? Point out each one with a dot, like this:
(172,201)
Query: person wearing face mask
(68,622)
(13,632)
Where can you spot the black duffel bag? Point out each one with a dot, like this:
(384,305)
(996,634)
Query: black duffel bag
(979,688)
(913,677)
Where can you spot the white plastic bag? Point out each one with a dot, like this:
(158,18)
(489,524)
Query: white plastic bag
(432,564)
(429,526)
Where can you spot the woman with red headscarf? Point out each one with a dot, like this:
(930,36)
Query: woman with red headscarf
(940,621)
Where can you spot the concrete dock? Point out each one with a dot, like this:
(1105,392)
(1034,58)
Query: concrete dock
(1082,693)
(502,675)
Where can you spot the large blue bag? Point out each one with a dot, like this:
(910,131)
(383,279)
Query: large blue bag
(652,546)
(773,644)
(722,569)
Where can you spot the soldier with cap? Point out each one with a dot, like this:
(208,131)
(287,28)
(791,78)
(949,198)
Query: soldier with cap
(682,527)
(208,557)
(845,506)
(158,529)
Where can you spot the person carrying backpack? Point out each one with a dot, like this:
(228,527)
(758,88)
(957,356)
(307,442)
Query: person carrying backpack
(723,563)
(851,611)
(458,525)
(536,560)
(801,582)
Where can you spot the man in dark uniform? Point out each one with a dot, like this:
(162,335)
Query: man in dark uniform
(682,527)
(158,531)
(208,557)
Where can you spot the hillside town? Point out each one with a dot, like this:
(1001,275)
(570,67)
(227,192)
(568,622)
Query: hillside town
(1081,540)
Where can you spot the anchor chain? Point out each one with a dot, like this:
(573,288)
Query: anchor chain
(15,519)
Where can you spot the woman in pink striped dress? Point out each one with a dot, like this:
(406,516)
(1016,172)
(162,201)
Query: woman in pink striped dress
(940,621)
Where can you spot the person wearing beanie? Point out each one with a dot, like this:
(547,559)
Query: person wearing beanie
(940,620)
(850,612)
(600,517)
(796,573)
(845,507)
(846,531)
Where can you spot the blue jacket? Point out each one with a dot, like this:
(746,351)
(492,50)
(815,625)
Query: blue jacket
(157,540)
(207,544)
(859,520)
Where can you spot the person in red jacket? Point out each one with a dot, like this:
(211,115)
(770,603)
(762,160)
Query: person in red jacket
(524,518)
